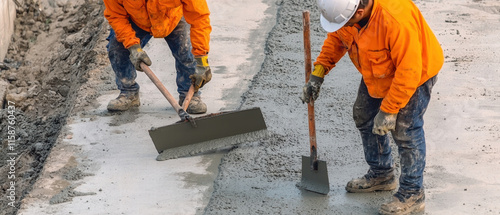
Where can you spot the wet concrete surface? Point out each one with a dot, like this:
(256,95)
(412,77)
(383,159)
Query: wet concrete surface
(461,126)
(260,177)
(114,150)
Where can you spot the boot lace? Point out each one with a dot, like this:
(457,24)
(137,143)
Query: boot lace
(370,175)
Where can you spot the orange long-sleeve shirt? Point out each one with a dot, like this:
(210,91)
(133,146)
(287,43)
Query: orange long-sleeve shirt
(395,52)
(160,17)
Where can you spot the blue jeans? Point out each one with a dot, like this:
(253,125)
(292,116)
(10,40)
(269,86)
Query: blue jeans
(408,135)
(179,44)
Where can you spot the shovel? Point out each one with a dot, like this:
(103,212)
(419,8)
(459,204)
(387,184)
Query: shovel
(210,133)
(314,172)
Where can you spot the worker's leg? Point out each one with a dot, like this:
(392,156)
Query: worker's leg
(185,65)
(410,138)
(125,72)
(376,148)
(180,45)
(120,62)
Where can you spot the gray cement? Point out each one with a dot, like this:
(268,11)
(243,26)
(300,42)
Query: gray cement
(112,155)
(211,146)
(106,154)
(261,178)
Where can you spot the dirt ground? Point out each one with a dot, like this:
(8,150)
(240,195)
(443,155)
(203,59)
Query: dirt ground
(57,67)
(55,48)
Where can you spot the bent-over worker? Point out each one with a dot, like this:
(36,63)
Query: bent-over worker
(133,24)
(398,56)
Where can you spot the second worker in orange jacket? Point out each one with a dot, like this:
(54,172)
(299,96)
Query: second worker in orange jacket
(398,56)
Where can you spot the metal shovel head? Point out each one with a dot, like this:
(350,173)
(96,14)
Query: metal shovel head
(314,180)
(213,130)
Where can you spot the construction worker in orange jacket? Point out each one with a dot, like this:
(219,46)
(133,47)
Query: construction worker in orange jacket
(398,56)
(133,24)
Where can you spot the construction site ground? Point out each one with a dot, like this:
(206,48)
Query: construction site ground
(74,157)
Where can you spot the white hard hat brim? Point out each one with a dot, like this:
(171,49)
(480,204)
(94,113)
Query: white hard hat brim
(331,26)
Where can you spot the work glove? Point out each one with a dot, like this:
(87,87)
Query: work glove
(137,55)
(384,122)
(203,74)
(310,91)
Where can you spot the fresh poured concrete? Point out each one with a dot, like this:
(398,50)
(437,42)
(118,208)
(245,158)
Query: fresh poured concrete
(115,158)
(111,159)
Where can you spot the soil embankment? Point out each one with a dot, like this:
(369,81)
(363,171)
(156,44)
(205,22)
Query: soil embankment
(52,51)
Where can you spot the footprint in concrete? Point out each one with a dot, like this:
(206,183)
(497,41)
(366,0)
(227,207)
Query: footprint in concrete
(125,117)
(220,69)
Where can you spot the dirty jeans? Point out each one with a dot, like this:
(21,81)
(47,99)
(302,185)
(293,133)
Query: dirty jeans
(179,44)
(408,135)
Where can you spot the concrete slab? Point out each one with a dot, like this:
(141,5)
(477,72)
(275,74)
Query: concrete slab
(461,123)
(110,158)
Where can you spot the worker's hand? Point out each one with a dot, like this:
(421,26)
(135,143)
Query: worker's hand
(137,55)
(310,92)
(384,122)
(203,73)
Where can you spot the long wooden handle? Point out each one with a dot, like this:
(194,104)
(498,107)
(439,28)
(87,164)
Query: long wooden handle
(308,67)
(188,98)
(160,86)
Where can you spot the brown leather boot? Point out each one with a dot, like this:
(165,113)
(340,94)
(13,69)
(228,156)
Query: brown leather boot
(404,204)
(370,183)
(196,106)
(124,102)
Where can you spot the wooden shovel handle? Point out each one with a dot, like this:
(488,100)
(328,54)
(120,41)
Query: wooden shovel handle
(308,67)
(160,87)
(188,98)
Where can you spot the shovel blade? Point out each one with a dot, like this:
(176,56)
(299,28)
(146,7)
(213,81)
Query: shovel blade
(314,180)
(213,130)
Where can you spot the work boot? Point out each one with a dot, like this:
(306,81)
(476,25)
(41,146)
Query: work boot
(124,101)
(196,106)
(369,183)
(404,204)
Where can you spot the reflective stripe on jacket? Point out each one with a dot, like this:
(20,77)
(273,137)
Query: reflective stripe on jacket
(160,17)
(395,52)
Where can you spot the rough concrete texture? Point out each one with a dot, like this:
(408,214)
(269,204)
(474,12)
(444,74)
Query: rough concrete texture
(57,66)
(211,146)
(461,123)
(113,156)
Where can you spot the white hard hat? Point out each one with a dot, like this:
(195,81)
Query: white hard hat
(336,13)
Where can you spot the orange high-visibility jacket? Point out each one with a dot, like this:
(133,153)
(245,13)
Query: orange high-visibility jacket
(395,52)
(160,17)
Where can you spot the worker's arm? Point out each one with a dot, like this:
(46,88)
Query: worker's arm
(119,20)
(406,53)
(197,14)
(332,51)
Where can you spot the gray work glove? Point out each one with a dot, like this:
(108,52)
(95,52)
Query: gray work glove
(384,122)
(310,91)
(137,55)
(203,73)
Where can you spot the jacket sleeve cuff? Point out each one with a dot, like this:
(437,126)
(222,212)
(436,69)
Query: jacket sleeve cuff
(387,109)
(319,71)
(131,42)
